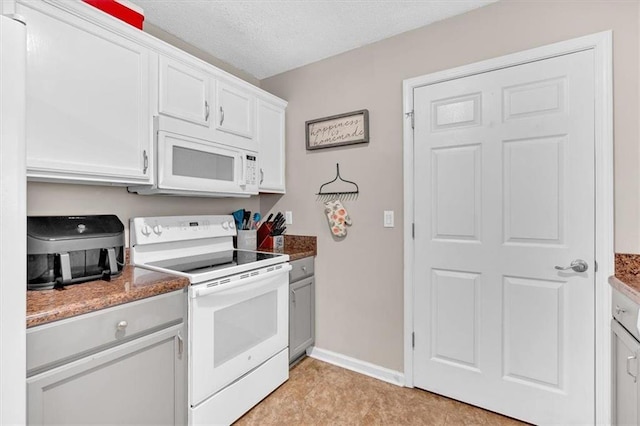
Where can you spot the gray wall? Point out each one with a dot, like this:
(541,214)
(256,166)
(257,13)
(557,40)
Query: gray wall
(360,279)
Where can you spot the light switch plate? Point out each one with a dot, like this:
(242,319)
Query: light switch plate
(288,218)
(388,219)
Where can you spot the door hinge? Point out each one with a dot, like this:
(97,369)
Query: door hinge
(413,231)
(410,114)
(413,340)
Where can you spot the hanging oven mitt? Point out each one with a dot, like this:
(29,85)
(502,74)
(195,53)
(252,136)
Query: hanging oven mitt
(338,217)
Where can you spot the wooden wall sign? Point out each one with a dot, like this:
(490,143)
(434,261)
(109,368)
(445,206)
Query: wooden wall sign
(337,130)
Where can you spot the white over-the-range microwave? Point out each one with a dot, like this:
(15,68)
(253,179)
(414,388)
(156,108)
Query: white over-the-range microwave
(195,167)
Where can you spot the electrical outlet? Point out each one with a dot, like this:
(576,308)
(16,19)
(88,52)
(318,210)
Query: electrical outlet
(388,219)
(288,218)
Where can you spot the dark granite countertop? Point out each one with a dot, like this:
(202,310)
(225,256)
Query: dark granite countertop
(298,247)
(627,275)
(44,306)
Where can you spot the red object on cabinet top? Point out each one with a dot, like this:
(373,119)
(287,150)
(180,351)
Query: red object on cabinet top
(120,9)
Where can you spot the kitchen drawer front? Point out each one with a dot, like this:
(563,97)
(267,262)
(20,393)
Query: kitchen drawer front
(301,268)
(625,311)
(59,342)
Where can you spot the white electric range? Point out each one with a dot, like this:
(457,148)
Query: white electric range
(238,310)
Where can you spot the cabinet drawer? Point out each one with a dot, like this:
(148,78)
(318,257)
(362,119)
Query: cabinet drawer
(59,342)
(300,269)
(625,311)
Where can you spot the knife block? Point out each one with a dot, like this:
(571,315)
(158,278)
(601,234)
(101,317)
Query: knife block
(268,242)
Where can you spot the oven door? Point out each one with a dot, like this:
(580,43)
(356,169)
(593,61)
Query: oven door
(233,330)
(188,164)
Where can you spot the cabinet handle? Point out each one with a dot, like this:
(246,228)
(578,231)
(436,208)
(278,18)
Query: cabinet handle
(146,161)
(180,345)
(261,175)
(206,111)
(221,116)
(293,296)
(629,358)
(122,325)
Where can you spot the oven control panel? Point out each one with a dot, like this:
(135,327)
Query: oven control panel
(164,229)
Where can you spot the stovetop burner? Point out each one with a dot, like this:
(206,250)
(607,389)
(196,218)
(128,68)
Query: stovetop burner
(213,261)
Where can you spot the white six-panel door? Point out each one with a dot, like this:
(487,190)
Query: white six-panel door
(504,192)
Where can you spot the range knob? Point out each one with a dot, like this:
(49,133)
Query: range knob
(232,224)
(146,230)
(225,225)
(157,230)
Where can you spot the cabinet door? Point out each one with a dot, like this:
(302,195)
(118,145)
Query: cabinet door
(235,114)
(87,100)
(139,382)
(625,352)
(184,92)
(272,150)
(301,316)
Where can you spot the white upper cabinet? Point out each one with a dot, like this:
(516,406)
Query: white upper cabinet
(197,100)
(184,92)
(96,84)
(270,136)
(88,115)
(235,114)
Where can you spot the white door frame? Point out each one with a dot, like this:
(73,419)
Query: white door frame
(601,44)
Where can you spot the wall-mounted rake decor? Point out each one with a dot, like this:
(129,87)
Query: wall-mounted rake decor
(337,130)
(349,193)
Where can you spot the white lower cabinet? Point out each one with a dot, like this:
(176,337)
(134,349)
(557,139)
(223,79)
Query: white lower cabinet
(111,376)
(301,307)
(88,109)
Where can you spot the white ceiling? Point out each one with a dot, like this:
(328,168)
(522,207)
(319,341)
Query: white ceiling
(267,37)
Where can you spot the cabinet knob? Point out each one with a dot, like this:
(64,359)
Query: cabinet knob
(122,325)
(620,310)
(304,269)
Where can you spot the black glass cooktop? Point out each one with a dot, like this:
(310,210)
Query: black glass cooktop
(213,261)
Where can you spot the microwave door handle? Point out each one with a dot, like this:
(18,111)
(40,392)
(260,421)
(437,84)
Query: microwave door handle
(243,171)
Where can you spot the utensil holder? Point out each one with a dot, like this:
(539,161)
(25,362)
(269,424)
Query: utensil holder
(247,239)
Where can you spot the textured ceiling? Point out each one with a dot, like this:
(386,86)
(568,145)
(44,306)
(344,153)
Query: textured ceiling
(267,37)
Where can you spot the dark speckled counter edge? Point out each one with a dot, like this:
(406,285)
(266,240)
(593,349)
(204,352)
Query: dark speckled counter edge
(627,275)
(133,284)
(45,306)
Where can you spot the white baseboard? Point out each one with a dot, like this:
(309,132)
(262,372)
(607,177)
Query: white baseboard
(353,364)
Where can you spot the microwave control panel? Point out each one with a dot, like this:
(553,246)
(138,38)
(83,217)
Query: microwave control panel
(252,170)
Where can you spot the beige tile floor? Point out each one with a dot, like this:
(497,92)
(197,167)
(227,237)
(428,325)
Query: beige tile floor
(318,393)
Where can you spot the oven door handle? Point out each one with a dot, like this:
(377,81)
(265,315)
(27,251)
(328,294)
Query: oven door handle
(239,285)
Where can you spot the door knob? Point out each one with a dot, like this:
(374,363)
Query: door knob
(577,265)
